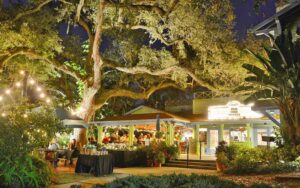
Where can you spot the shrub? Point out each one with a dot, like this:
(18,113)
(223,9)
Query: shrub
(174,180)
(242,159)
(27,171)
(19,137)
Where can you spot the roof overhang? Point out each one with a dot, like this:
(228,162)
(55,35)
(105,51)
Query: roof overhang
(70,123)
(137,122)
(273,24)
(233,122)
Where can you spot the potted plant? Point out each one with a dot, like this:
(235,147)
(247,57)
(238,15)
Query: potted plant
(221,161)
(221,154)
(160,158)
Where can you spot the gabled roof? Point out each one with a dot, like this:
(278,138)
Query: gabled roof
(270,23)
(142,118)
(143,107)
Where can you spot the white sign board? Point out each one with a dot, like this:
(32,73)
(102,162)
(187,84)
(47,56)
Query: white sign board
(232,110)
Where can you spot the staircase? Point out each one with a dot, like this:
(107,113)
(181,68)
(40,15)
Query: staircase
(196,164)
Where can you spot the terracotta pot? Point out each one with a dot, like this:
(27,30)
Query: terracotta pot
(156,164)
(220,167)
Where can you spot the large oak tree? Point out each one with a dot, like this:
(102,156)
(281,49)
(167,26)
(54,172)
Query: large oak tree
(133,47)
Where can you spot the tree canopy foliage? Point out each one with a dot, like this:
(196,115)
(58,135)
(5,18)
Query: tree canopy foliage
(94,51)
(279,78)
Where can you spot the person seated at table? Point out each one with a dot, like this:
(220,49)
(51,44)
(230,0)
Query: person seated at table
(53,146)
(73,151)
(106,140)
(93,141)
(113,138)
(147,140)
(140,139)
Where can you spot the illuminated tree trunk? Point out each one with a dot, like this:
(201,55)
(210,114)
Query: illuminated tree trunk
(86,112)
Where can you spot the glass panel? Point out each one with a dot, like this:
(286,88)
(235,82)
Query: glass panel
(214,138)
(226,136)
(238,134)
(260,133)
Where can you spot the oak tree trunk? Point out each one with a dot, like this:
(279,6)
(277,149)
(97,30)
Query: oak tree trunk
(86,113)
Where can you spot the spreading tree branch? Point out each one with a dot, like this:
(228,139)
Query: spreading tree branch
(108,94)
(163,72)
(155,34)
(38,8)
(140,5)
(79,7)
(96,45)
(86,27)
(34,55)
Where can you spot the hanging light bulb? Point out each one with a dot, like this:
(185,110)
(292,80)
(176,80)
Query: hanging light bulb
(18,84)
(39,89)
(25,116)
(48,100)
(22,72)
(7,91)
(1,98)
(42,95)
(32,82)
(3,114)
(73,112)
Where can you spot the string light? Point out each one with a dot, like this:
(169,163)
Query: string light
(48,100)
(42,95)
(31,82)
(73,112)
(18,84)
(22,72)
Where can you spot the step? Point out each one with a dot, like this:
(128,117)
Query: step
(288,177)
(192,163)
(190,166)
(193,160)
(196,161)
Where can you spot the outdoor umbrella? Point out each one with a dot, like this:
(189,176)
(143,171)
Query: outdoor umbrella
(69,120)
(157,123)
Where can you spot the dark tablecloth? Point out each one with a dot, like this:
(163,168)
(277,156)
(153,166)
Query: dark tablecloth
(97,165)
(124,159)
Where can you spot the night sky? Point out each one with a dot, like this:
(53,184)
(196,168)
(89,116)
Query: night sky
(246,16)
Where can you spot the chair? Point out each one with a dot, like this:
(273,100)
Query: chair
(73,161)
(62,160)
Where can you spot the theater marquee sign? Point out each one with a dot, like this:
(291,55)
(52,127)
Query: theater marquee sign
(232,110)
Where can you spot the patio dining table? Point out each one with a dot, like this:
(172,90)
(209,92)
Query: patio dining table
(98,165)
